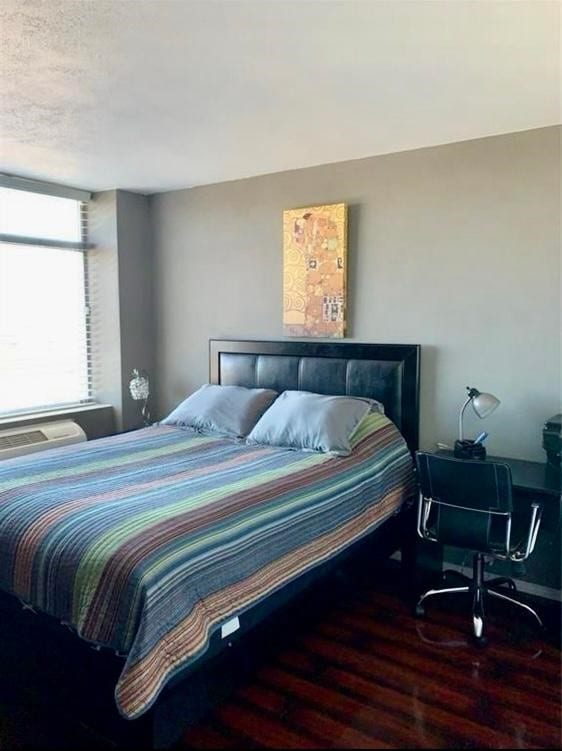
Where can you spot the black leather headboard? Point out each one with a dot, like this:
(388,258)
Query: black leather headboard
(386,372)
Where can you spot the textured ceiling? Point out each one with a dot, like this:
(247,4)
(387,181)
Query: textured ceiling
(158,95)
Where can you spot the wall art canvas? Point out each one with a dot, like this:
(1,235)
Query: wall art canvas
(314,271)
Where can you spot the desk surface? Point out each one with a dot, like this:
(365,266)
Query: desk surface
(533,476)
(529,477)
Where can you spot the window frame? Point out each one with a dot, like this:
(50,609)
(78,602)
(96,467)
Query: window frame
(82,246)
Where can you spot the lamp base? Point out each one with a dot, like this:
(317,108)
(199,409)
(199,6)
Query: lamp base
(469,450)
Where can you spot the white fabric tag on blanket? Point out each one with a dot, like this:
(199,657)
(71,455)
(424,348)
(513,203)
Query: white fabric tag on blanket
(230,627)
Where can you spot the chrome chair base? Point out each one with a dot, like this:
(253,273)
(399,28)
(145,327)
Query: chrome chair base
(480,590)
(498,581)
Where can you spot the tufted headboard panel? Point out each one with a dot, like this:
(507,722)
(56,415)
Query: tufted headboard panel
(386,372)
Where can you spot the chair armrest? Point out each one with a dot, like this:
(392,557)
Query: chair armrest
(419,516)
(522,552)
(424,507)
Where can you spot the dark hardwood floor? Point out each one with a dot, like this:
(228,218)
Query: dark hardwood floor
(364,673)
(349,667)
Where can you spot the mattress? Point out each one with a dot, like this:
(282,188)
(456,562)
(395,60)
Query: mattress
(147,542)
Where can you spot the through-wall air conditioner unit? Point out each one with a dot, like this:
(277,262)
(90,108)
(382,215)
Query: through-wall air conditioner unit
(41,435)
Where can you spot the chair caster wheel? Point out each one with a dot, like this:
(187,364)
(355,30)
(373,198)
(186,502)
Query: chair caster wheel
(419,611)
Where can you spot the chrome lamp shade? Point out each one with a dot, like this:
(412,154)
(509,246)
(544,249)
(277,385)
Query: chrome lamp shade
(482,403)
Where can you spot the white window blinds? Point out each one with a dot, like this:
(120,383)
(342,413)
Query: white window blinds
(44,331)
(33,215)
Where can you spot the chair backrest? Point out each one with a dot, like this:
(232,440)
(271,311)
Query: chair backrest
(468,503)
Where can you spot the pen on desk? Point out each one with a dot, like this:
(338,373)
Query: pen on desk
(481,437)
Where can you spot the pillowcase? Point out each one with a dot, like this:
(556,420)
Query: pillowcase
(231,410)
(311,422)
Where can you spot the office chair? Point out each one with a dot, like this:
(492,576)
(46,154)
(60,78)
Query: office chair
(468,504)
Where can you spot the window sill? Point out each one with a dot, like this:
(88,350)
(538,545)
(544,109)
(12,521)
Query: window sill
(97,420)
(23,417)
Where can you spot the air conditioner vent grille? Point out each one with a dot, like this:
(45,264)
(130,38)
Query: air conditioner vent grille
(39,436)
(22,439)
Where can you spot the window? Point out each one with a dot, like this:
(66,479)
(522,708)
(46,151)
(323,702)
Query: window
(44,332)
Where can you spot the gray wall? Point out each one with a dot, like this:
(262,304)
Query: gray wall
(455,247)
(120,273)
(135,295)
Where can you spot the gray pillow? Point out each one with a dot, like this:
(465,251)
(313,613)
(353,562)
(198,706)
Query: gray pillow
(311,422)
(231,410)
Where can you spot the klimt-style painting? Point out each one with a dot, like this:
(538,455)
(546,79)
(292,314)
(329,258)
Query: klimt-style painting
(314,271)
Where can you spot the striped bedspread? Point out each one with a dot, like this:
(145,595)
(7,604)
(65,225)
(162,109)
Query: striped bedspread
(148,541)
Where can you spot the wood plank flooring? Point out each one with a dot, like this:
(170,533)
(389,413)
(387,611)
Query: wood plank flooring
(347,666)
(361,672)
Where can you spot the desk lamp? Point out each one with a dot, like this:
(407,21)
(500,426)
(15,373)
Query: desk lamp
(483,404)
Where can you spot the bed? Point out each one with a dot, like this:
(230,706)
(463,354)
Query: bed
(150,544)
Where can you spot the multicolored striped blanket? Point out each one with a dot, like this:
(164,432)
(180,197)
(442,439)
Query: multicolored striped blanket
(147,542)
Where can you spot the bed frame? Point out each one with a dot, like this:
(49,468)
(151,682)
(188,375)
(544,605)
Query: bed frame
(386,372)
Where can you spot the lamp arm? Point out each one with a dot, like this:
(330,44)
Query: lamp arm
(461,413)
